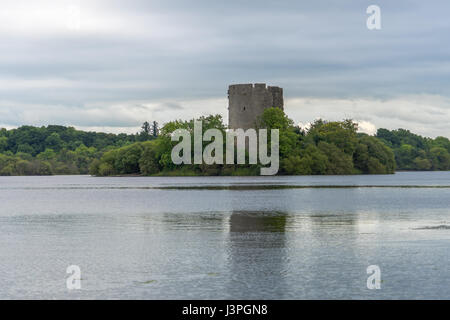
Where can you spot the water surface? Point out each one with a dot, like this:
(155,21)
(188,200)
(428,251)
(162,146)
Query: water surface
(302,237)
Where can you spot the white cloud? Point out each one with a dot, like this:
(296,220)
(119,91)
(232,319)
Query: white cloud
(366,127)
(112,117)
(428,115)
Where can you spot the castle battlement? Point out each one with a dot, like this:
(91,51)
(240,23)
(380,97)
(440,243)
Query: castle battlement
(246,103)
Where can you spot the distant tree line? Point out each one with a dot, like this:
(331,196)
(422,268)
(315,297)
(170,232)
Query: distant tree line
(413,152)
(30,150)
(327,147)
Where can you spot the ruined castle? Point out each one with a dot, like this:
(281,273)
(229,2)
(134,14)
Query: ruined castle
(246,103)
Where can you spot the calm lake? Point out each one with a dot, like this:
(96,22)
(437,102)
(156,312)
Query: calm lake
(303,237)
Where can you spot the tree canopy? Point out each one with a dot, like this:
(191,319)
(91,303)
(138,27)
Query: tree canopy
(414,152)
(327,147)
(30,150)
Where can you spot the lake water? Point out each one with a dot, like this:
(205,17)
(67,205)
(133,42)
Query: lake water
(226,237)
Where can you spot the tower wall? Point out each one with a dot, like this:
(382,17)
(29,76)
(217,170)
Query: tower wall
(246,103)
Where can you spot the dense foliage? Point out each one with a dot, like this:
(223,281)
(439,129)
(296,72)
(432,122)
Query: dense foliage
(327,147)
(413,152)
(56,149)
(154,157)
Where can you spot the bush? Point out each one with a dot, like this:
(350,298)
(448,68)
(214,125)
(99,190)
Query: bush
(24,167)
(106,169)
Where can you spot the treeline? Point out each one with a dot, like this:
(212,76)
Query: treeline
(54,149)
(154,157)
(326,148)
(413,152)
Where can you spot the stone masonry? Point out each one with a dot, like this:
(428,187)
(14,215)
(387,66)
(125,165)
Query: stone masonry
(246,103)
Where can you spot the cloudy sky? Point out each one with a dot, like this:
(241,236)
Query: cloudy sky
(110,65)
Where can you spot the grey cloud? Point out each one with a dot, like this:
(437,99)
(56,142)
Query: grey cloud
(158,52)
(168,106)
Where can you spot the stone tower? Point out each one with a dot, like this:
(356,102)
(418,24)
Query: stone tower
(246,103)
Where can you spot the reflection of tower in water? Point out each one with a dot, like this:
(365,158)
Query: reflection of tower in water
(242,221)
(256,254)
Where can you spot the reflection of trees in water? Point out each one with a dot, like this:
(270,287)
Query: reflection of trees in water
(256,254)
(242,221)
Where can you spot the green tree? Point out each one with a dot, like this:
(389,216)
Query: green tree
(48,154)
(24,167)
(8,170)
(297,165)
(106,169)
(414,152)
(54,142)
(155,129)
(25,148)
(146,131)
(441,142)
(339,162)
(94,168)
(275,118)
(440,158)
(24,156)
(127,161)
(342,134)
(149,162)
(372,156)
(405,156)
(3,144)
(422,164)
(44,168)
